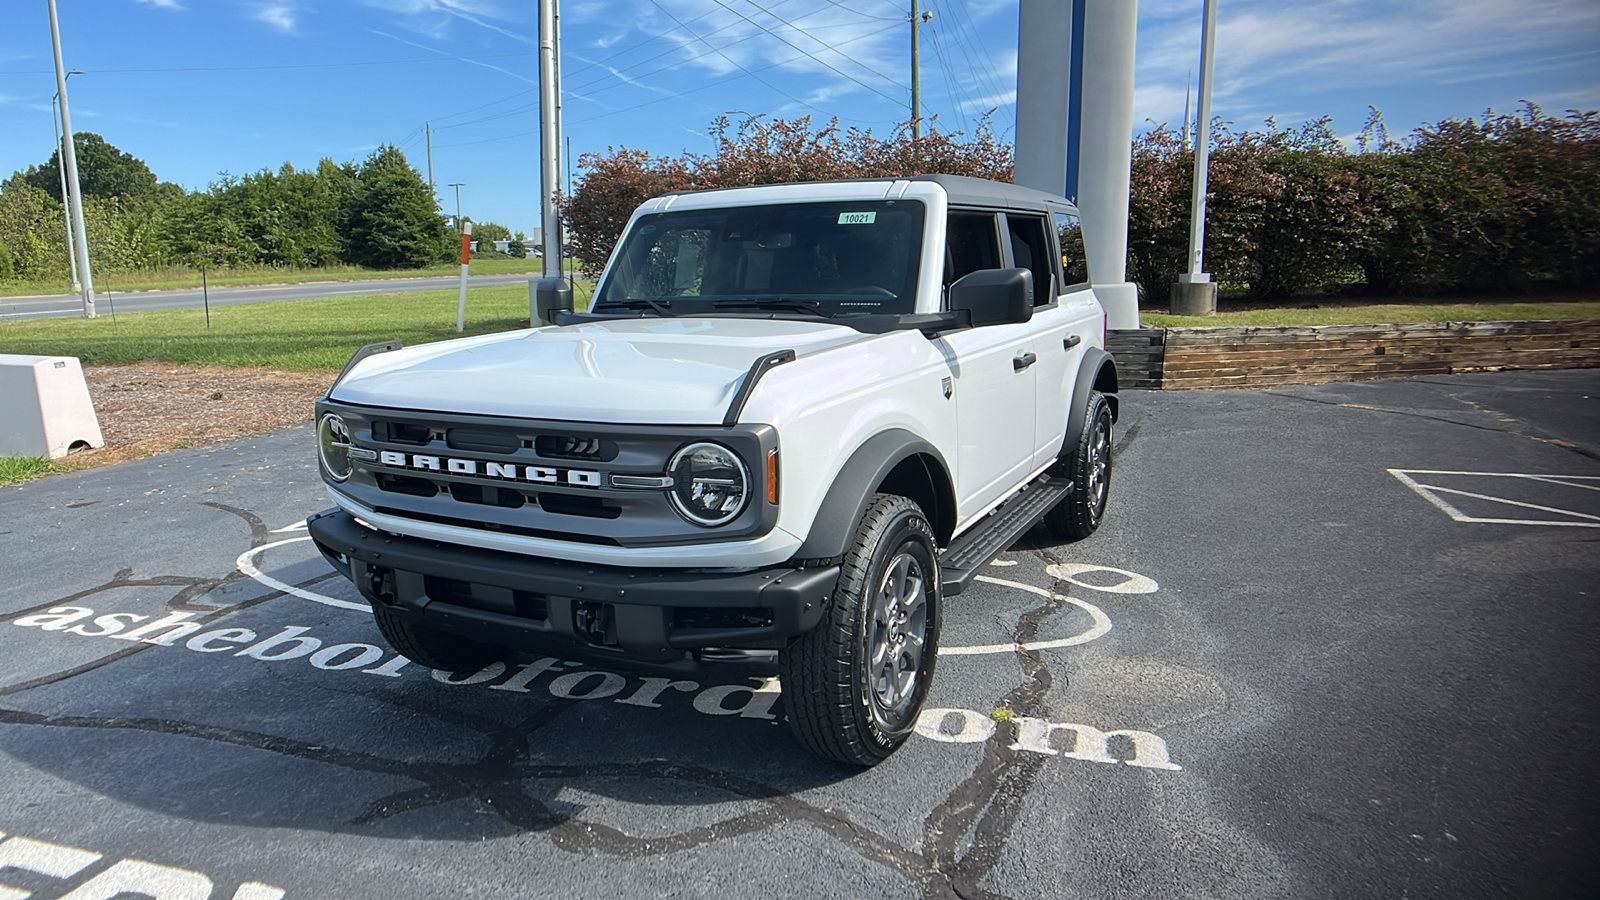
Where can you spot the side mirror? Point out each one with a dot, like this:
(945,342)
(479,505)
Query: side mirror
(994,296)
(549,297)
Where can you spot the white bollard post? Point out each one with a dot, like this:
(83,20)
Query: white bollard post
(466,254)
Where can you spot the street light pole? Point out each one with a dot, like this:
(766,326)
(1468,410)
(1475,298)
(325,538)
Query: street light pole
(66,204)
(458,185)
(79,235)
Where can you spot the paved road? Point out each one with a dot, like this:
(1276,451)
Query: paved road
(14,308)
(1335,641)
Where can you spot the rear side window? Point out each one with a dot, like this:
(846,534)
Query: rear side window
(972,243)
(1074,264)
(1030,250)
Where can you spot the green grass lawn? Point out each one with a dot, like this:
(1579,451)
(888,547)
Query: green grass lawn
(1342,314)
(297,335)
(185,277)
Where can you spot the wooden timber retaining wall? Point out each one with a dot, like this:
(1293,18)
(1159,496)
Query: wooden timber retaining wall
(1312,354)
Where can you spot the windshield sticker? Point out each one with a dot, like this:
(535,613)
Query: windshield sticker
(857,218)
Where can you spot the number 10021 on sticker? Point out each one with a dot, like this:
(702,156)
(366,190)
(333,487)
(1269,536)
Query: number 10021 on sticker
(857,218)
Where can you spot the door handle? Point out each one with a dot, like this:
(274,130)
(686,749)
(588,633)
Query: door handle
(1022,362)
(1071,341)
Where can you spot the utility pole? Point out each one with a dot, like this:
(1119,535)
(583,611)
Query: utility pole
(549,134)
(917,18)
(458,185)
(80,237)
(66,205)
(428,130)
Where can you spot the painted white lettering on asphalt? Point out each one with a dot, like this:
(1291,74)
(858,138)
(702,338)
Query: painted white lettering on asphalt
(133,876)
(1091,744)
(487,673)
(40,857)
(757,705)
(975,728)
(570,687)
(1131,583)
(246,564)
(749,701)
(123,878)
(1100,623)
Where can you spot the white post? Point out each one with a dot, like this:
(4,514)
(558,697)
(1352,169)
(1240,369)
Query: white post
(466,255)
(549,137)
(1195,294)
(79,236)
(1106,153)
(1202,146)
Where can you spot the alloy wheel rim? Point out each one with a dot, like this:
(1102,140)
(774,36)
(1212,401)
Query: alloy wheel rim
(897,635)
(1099,467)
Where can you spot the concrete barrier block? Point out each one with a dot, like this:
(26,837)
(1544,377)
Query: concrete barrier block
(45,408)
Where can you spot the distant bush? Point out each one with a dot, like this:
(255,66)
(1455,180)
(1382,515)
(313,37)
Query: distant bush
(1505,204)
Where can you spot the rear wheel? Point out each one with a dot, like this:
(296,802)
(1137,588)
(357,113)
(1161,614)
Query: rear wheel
(854,685)
(433,648)
(1078,515)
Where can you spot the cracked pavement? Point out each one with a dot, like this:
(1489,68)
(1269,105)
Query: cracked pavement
(1277,670)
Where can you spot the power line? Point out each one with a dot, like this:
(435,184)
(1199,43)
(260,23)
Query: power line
(808,53)
(342,65)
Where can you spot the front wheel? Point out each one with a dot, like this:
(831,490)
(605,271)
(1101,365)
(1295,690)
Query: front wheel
(854,685)
(1078,515)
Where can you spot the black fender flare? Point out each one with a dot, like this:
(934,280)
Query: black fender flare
(1096,368)
(851,492)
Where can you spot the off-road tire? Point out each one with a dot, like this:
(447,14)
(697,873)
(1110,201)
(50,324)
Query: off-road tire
(829,692)
(1079,514)
(432,648)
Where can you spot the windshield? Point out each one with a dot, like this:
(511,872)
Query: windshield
(823,259)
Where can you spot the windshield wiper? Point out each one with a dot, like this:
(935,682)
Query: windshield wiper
(663,308)
(785,304)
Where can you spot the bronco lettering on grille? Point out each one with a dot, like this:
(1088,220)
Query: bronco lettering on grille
(485,469)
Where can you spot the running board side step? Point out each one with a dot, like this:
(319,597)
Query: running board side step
(960,562)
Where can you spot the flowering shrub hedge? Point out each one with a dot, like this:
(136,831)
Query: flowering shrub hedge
(1505,203)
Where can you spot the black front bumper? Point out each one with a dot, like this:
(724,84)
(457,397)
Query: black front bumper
(649,616)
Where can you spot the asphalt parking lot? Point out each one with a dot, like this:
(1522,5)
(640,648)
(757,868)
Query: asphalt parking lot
(1331,641)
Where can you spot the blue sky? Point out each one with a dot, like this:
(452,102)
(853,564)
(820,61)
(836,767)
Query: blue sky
(196,87)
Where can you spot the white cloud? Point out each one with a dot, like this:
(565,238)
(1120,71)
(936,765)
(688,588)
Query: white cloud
(1340,45)
(164,4)
(281,16)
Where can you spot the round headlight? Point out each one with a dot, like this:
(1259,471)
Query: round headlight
(333,445)
(710,484)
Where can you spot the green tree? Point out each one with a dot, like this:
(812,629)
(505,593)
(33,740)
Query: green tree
(518,248)
(393,220)
(103,171)
(486,233)
(33,229)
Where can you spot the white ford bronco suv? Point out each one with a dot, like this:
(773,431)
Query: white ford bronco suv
(795,422)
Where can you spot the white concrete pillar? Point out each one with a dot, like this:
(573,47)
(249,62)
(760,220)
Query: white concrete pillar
(1044,80)
(1105,153)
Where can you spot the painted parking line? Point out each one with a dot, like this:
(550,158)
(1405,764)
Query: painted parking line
(1424,483)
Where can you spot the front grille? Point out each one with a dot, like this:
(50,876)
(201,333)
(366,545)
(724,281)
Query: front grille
(405,484)
(537,478)
(480,525)
(488,495)
(562,446)
(568,505)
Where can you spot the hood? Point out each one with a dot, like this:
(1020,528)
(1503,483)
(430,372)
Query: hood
(674,371)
